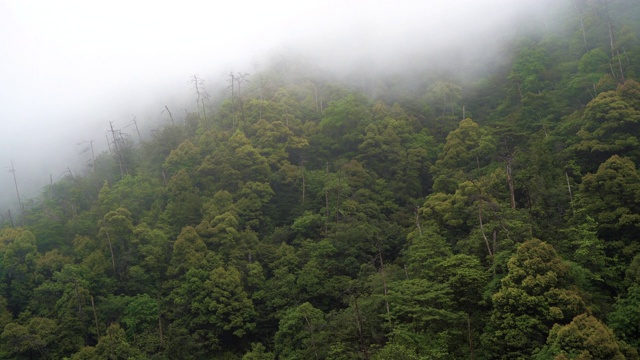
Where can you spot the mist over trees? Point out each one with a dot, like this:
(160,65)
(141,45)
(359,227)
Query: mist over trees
(299,212)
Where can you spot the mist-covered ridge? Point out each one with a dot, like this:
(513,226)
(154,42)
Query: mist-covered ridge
(434,194)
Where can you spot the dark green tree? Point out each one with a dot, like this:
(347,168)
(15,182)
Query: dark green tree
(536,294)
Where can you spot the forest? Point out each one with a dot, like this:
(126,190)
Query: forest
(417,215)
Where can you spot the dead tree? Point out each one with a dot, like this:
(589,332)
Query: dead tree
(417,213)
(384,284)
(95,316)
(261,87)
(116,136)
(615,51)
(108,237)
(236,80)
(15,182)
(584,33)
(108,143)
(326,200)
(11,218)
(302,169)
(135,123)
(201,95)
(90,147)
(510,181)
(166,108)
(356,292)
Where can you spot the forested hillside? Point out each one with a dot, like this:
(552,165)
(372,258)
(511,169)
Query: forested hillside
(409,216)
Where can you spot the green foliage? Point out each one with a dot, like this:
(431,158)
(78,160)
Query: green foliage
(535,295)
(136,194)
(468,149)
(185,157)
(212,306)
(625,317)
(114,345)
(612,197)
(585,337)
(304,218)
(528,69)
(301,334)
(189,251)
(17,267)
(465,276)
(609,124)
(258,352)
(184,206)
(418,305)
(34,338)
(140,314)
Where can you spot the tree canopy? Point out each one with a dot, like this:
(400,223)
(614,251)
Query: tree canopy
(307,217)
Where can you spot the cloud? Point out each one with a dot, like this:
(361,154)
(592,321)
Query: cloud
(70,66)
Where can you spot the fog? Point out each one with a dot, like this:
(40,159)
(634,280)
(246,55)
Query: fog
(68,68)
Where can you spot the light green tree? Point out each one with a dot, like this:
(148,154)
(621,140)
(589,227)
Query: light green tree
(585,337)
(301,334)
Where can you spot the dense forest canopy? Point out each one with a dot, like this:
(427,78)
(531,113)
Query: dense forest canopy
(359,218)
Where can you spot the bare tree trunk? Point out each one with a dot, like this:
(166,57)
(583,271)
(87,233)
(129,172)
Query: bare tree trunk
(315,91)
(108,143)
(118,153)
(418,221)
(15,182)
(170,115)
(471,352)
(495,243)
(160,325)
(313,342)
(584,33)
(95,317)
(622,80)
(338,193)
(482,228)
(384,285)
(113,261)
(626,56)
(232,76)
(93,157)
(303,180)
(569,188)
(204,111)
(326,200)
(510,182)
(611,37)
(444,104)
(240,78)
(363,346)
(11,218)
(233,98)
(135,124)
(196,83)
(613,73)
(261,97)
(80,309)
(614,49)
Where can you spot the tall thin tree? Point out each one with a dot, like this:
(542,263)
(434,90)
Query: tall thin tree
(15,181)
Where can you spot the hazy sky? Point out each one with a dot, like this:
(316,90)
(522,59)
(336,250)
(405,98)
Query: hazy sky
(69,67)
